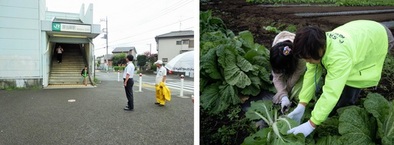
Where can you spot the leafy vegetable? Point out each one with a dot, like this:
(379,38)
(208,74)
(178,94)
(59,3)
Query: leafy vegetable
(233,65)
(382,110)
(329,140)
(356,127)
(278,126)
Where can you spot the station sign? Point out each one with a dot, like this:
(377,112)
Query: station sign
(70,27)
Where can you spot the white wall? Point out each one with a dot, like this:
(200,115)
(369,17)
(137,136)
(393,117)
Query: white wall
(167,47)
(19,38)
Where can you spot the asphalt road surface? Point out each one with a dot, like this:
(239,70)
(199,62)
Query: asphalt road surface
(93,116)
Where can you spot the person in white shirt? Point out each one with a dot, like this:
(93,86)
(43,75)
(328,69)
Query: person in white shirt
(160,77)
(59,52)
(129,82)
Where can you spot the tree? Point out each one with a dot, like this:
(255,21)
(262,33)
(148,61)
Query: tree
(119,59)
(141,59)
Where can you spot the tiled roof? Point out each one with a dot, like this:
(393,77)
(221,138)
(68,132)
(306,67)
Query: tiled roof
(123,49)
(176,34)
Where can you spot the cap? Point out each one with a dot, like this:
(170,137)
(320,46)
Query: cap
(159,62)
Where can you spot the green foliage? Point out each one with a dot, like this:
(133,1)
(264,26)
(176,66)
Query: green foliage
(119,59)
(208,23)
(272,29)
(386,84)
(291,28)
(98,64)
(230,66)
(96,81)
(364,2)
(142,59)
(225,128)
(337,2)
(356,126)
(329,140)
(276,133)
(119,68)
(370,123)
(383,111)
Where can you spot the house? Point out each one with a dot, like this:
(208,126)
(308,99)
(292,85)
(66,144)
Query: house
(173,43)
(102,59)
(127,50)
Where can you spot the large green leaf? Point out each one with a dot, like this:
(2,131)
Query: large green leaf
(261,110)
(285,124)
(228,94)
(254,88)
(209,64)
(356,127)
(259,138)
(328,127)
(217,97)
(246,38)
(250,55)
(379,107)
(210,99)
(251,90)
(203,83)
(234,76)
(264,75)
(226,56)
(388,125)
(244,64)
(232,73)
(329,140)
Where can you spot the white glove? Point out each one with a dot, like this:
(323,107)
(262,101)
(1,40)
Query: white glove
(297,113)
(305,128)
(285,104)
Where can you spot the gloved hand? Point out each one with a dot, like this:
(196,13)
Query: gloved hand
(297,113)
(285,104)
(305,128)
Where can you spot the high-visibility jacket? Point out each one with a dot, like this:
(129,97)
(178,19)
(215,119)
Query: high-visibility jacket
(165,91)
(354,56)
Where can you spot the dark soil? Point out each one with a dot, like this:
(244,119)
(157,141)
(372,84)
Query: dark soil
(239,15)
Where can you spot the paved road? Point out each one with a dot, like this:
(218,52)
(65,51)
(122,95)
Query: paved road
(173,82)
(96,117)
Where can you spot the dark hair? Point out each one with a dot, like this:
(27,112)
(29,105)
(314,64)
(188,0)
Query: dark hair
(130,57)
(308,41)
(280,62)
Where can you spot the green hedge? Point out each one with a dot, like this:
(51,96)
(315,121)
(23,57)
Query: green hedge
(116,68)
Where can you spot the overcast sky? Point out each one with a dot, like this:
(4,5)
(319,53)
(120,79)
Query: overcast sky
(133,22)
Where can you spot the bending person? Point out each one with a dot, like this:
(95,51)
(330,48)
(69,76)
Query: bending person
(286,69)
(353,55)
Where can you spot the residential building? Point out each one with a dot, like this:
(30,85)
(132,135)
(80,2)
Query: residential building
(102,59)
(126,50)
(29,36)
(173,43)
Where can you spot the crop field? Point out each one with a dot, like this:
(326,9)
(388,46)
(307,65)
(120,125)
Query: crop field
(247,26)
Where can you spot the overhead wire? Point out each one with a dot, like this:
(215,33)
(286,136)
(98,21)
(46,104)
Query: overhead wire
(148,31)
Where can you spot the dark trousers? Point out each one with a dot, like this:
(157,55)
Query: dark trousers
(348,97)
(59,57)
(129,92)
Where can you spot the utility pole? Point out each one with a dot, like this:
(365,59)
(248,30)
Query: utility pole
(106,42)
(106,39)
(150,48)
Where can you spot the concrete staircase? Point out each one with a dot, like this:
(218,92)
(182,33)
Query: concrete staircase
(69,71)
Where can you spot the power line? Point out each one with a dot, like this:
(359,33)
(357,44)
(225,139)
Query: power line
(149,30)
(163,12)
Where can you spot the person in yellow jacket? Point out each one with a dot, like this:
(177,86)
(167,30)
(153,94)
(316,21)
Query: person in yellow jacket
(352,54)
(161,76)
